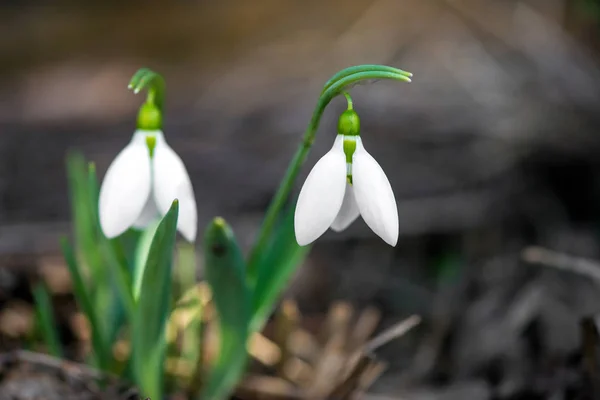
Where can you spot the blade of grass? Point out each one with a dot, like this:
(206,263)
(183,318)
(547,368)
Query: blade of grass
(185,269)
(128,242)
(102,352)
(113,253)
(121,278)
(153,306)
(108,271)
(225,273)
(85,238)
(141,256)
(45,319)
(275,269)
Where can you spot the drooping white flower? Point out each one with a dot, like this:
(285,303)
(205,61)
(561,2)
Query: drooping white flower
(336,192)
(139,187)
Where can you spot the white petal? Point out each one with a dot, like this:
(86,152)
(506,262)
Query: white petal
(148,215)
(125,188)
(171,181)
(321,196)
(374,195)
(349,211)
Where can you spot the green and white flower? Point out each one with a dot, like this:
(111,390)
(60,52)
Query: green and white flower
(140,185)
(345,183)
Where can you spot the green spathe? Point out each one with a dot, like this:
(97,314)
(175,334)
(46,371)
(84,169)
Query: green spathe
(150,116)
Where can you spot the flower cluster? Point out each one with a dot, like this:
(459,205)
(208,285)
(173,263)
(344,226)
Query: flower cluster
(347,182)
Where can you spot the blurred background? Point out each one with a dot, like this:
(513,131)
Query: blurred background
(494,147)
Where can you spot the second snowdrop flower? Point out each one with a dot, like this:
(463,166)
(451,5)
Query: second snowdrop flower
(345,183)
(144,179)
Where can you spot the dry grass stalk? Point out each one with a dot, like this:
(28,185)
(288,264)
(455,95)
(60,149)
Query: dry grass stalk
(337,362)
(550,258)
(287,321)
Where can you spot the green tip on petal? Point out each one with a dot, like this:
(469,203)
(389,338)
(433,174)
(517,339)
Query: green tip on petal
(349,149)
(151,144)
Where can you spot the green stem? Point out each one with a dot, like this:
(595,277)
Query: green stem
(333,87)
(118,264)
(46,320)
(349,101)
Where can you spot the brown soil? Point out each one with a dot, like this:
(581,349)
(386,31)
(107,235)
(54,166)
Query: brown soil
(33,376)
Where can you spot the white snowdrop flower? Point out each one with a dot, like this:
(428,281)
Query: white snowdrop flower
(141,184)
(345,183)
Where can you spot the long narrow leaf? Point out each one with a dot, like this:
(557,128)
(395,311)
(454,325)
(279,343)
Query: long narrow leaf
(108,291)
(85,238)
(152,312)
(276,268)
(113,256)
(225,272)
(185,269)
(46,321)
(121,278)
(102,352)
(141,257)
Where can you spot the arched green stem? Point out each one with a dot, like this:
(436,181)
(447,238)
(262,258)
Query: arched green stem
(335,86)
(365,68)
(150,116)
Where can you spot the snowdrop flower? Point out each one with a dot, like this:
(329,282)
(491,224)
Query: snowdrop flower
(345,183)
(141,184)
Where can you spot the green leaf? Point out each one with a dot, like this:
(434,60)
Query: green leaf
(153,306)
(225,273)
(141,256)
(102,351)
(84,217)
(129,241)
(275,269)
(45,318)
(110,289)
(185,270)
